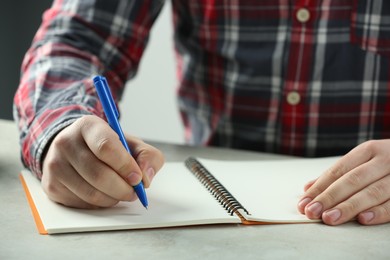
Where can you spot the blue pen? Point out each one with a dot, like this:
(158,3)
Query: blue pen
(112,115)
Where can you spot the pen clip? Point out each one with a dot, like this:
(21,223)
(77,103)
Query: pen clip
(109,97)
(109,107)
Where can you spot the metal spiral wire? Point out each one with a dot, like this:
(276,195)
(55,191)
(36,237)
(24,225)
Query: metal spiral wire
(225,198)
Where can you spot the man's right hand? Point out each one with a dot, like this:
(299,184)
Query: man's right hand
(86,165)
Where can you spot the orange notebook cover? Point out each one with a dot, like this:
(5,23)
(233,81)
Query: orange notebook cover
(34,211)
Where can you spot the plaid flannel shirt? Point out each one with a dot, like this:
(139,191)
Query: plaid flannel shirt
(299,77)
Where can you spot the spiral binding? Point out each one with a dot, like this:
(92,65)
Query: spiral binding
(224,197)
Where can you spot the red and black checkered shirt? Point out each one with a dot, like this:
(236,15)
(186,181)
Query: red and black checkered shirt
(299,77)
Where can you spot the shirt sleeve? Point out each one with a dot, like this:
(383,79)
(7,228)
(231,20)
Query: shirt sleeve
(77,40)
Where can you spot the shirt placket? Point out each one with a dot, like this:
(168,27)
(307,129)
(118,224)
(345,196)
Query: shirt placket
(298,75)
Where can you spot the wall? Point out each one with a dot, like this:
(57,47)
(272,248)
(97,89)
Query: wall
(149,108)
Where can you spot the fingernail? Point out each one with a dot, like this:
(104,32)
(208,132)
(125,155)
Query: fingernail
(302,204)
(150,173)
(133,178)
(315,209)
(367,216)
(333,214)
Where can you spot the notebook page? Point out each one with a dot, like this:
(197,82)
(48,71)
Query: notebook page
(269,190)
(176,198)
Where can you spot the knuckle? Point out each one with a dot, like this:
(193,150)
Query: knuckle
(385,211)
(371,146)
(104,146)
(52,164)
(156,151)
(85,121)
(375,192)
(50,188)
(151,153)
(93,196)
(124,168)
(354,179)
(386,160)
(62,141)
(84,156)
(336,173)
(110,203)
(382,213)
(160,156)
(145,157)
(329,199)
(97,177)
(351,205)
(313,191)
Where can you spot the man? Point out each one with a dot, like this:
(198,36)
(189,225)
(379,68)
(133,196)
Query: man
(306,78)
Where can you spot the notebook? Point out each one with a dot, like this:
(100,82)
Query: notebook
(195,192)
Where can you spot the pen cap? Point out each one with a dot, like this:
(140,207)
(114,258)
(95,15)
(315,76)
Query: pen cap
(105,95)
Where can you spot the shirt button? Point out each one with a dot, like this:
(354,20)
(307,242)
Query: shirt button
(303,15)
(293,98)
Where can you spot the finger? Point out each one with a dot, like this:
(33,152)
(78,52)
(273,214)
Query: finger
(353,159)
(309,184)
(349,184)
(376,215)
(339,169)
(106,146)
(63,185)
(322,183)
(100,176)
(305,200)
(85,191)
(57,192)
(71,148)
(374,194)
(149,158)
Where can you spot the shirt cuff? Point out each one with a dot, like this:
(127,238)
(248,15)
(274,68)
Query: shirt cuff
(44,129)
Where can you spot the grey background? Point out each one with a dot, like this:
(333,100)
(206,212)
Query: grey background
(19,20)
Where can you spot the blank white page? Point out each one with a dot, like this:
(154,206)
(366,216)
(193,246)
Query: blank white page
(269,190)
(176,198)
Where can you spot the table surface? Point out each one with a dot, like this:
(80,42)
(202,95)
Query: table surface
(20,239)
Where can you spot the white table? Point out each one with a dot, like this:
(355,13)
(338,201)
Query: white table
(20,239)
